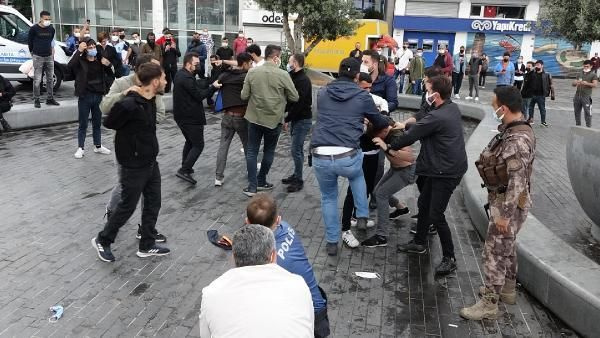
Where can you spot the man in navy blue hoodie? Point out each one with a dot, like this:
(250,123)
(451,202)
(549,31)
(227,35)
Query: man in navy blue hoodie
(335,146)
(262,209)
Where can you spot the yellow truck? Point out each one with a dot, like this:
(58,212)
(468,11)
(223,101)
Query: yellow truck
(327,55)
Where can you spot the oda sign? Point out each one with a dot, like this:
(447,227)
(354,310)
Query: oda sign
(276,19)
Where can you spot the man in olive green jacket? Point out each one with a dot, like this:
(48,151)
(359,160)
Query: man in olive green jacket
(267,90)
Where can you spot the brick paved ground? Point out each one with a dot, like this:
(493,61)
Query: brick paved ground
(52,204)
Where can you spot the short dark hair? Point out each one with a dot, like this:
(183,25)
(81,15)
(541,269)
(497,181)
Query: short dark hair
(243,58)
(254,49)
(506,54)
(136,33)
(365,77)
(272,51)
(442,85)
(587,62)
(44,13)
(143,58)
(166,29)
(299,57)
(530,63)
(373,54)
(250,39)
(150,34)
(262,209)
(541,62)
(433,71)
(187,58)
(167,32)
(419,49)
(214,56)
(510,97)
(116,30)
(224,39)
(90,42)
(349,67)
(148,72)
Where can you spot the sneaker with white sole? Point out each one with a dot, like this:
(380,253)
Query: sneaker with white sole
(477,99)
(468,98)
(104,252)
(456,96)
(101,150)
(155,250)
(218,182)
(349,239)
(370,223)
(79,153)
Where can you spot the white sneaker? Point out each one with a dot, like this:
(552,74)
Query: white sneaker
(349,239)
(456,96)
(218,182)
(102,150)
(468,98)
(370,223)
(79,153)
(242,150)
(477,99)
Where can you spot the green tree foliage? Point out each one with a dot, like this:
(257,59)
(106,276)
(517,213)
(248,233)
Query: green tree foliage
(576,20)
(316,20)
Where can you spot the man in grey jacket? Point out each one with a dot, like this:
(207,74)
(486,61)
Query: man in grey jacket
(117,92)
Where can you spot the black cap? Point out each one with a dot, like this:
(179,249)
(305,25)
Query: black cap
(350,66)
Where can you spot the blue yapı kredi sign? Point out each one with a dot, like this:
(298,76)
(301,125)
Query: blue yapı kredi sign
(425,23)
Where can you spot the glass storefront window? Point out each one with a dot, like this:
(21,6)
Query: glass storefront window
(72,12)
(232,15)
(180,14)
(100,12)
(126,13)
(209,14)
(146,13)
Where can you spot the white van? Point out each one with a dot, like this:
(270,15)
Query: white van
(14,50)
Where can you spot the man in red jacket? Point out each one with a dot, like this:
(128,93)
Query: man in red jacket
(444,61)
(240,44)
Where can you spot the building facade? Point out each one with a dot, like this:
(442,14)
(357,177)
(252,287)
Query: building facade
(488,26)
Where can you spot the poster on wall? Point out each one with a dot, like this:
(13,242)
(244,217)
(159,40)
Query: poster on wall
(494,45)
(560,58)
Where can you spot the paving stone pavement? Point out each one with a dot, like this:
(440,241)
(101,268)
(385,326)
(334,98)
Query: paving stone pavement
(52,205)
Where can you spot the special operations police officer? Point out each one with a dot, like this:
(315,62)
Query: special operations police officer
(505,166)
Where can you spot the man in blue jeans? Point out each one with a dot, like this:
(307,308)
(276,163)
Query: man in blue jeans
(267,90)
(335,146)
(540,86)
(299,118)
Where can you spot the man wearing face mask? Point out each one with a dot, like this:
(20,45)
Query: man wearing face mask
(198,47)
(474,70)
(441,164)
(526,90)
(458,73)
(171,53)
(540,87)
(188,112)
(225,52)
(505,166)
(444,61)
(267,89)
(416,70)
(117,40)
(136,48)
(403,57)
(240,43)
(585,82)
(505,71)
(519,73)
(73,40)
(151,47)
(41,47)
(299,119)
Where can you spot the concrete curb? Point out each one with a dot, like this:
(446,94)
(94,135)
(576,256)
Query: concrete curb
(561,278)
(25,116)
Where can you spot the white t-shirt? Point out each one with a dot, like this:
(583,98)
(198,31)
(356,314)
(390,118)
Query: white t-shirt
(404,57)
(260,301)
(258,64)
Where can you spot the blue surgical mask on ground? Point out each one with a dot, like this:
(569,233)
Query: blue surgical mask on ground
(495,113)
(92,52)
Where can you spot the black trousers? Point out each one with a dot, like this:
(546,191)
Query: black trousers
(134,183)
(457,81)
(482,76)
(194,144)
(170,71)
(433,201)
(369,166)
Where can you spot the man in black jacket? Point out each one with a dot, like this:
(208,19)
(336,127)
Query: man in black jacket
(441,164)
(170,52)
(189,114)
(136,147)
(299,119)
(7,91)
(93,76)
(540,87)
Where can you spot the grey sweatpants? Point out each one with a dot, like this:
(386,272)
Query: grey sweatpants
(392,181)
(585,103)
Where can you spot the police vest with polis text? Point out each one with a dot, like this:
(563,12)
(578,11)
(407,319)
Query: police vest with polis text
(494,168)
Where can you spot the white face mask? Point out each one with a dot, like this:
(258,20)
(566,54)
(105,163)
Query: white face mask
(429,98)
(46,23)
(441,51)
(364,68)
(77,35)
(224,44)
(136,40)
(495,113)
(586,70)
(114,38)
(419,54)
(86,35)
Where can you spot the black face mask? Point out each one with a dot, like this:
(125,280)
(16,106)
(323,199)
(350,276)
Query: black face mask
(122,36)
(150,41)
(506,59)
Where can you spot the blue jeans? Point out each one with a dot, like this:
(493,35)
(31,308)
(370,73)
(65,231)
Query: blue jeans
(541,102)
(525,108)
(86,104)
(299,130)
(255,134)
(416,87)
(327,172)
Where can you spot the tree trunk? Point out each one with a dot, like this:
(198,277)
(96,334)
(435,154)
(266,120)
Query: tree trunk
(291,44)
(298,34)
(311,46)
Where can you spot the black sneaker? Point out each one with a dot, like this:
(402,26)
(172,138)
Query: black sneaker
(186,176)
(158,238)
(415,216)
(266,186)
(446,266)
(412,247)
(52,102)
(104,252)
(156,250)
(375,241)
(36,103)
(372,204)
(289,180)
(332,249)
(295,187)
(432,229)
(399,212)
(544,124)
(248,193)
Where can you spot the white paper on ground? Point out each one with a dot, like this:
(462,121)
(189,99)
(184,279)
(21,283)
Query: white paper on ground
(370,275)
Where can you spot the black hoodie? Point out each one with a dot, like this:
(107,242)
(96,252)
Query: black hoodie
(233,82)
(134,119)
